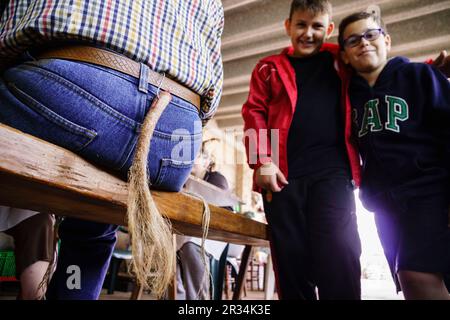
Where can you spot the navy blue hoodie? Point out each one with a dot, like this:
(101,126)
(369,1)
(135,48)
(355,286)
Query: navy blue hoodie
(402,125)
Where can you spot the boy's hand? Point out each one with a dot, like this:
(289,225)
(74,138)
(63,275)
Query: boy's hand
(443,63)
(269,177)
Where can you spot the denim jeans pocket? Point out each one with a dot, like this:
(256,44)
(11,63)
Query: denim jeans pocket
(53,127)
(173,173)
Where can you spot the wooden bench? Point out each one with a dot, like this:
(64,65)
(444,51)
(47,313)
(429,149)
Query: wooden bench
(38,175)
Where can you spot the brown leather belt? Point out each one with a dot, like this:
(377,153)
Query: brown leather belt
(120,63)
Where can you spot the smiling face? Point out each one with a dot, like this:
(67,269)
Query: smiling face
(308,31)
(367,57)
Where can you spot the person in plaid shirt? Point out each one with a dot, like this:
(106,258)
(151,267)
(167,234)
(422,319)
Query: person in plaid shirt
(57,82)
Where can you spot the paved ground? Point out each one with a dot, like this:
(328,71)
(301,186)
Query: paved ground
(371,290)
(379,290)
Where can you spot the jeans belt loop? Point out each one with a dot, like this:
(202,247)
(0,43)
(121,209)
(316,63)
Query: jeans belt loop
(143,78)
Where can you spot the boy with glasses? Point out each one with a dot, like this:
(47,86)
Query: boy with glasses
(401,112)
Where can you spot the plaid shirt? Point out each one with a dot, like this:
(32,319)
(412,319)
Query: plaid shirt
(178,37)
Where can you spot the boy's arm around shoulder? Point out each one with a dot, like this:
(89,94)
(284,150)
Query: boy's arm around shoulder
(442,62)
(437,88)
(437,100)
(255,113)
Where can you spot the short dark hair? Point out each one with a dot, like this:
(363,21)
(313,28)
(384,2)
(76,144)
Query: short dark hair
(363,15)
(314,6)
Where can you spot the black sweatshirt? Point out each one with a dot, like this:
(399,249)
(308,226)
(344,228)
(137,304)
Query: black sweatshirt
(316,135)
(403,129)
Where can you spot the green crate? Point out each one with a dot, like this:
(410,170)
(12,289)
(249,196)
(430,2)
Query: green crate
(7,265)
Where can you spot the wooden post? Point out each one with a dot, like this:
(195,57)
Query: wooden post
(269,279)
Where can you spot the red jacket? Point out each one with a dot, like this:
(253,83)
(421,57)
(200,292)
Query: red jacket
(271,104)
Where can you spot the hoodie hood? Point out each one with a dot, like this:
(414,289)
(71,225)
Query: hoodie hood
(392,66)
(386,76)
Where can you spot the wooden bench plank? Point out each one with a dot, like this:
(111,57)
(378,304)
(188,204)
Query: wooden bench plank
(38,175)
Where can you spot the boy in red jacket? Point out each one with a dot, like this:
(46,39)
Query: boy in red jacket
(296,103)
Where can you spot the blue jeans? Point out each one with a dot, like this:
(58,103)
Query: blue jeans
(97,113)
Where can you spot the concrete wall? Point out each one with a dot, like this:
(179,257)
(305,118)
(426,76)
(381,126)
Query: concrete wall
(254,29)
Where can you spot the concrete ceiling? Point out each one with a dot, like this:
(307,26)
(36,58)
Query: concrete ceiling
(254,29)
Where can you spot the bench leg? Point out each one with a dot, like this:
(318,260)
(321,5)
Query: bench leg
(113,271)
(240,283)
(137,292)
(172,290)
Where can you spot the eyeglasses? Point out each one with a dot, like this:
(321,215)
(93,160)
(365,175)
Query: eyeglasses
(369,35)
